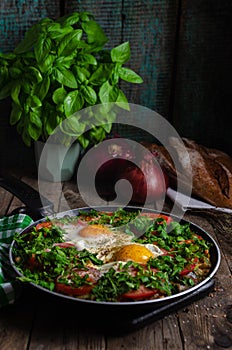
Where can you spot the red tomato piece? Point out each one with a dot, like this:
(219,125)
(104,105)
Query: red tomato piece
(46,224)
(85,289)
(187,241)
(141,293)
(187,270)
(33,263)
(73,291)
(167,218)
(167,252)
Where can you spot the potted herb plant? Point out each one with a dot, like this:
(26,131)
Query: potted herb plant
(59,68)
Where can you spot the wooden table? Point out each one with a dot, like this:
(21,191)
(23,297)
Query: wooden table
(37,321)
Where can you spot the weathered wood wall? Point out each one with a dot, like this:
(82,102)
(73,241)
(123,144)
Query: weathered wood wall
(202,89)
(181,48)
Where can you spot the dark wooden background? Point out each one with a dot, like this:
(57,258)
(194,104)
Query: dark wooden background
(181,48)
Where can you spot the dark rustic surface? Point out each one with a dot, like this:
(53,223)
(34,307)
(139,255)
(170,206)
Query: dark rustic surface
(202,107)
(38,322)
(181,48)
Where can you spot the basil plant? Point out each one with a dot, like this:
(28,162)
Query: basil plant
(59,68)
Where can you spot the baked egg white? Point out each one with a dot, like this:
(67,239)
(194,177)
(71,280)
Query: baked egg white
(95,238)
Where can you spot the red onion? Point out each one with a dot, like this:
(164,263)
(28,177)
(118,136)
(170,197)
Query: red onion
(115,160)
(148,181)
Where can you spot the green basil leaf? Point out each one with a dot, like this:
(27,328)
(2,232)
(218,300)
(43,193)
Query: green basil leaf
(20,126)
(60,109)
(69,20)
(42,88)
(105,114)
(87,59)
(45,22)
(26,86)
(6,90)
(33,131)
(15,93)
(65,62)
(73,126)
(15,114)
(115,73)
(33,102)
(95,34)
(58,33)
(69,43)
(42,47)
(35,118)
(86,16)
(121,53)
(108,93)
(59,95)
(76,127)
(7,56)
(65,77)
(47,63)
(80,73)
(89,95)
(26,136)
(53,27)
(55,31)
(3,75)
(97,134)
(129,75)
(35,73)
(107,127)
(29,40)
(52,121)
(83,141)
(14,72)
(101,74)
(73,102)
(122,101)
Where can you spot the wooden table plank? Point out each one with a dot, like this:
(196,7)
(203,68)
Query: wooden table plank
(15,324)
(37,321)
(205,321)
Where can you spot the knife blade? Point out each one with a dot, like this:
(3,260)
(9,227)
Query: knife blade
(188,203)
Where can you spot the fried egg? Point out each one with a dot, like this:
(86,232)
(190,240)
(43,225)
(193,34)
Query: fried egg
(109,244)
(99,239)
(139,253)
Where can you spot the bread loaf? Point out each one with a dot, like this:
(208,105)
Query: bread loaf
(211,170)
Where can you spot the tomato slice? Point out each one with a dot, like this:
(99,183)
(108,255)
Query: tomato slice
(187,270)
(167,218)
(73,291)
(141,293)
(46,224)
(85,289)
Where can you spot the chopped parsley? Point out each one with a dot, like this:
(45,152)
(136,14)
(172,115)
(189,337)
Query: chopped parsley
(44,258)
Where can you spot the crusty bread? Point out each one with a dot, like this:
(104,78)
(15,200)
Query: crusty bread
(211,170)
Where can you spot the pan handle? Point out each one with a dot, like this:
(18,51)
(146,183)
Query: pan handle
(28,195)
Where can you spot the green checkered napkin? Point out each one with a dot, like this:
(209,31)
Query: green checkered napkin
(9,287)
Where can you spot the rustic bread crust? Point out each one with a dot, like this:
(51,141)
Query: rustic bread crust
(211,170)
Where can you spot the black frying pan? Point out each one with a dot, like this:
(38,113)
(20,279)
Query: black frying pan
(138,307)
(137,312)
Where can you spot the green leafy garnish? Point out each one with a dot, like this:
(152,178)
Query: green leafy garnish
(44,258)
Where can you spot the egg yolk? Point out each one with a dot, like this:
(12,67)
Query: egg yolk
(94,230)
(134,252)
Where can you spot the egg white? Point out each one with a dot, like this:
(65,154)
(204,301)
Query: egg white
(104,245)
